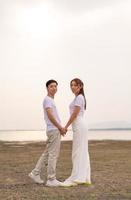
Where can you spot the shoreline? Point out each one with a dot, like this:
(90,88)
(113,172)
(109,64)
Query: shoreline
(63,141)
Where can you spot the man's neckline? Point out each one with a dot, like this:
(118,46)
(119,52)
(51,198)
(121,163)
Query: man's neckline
(50,96)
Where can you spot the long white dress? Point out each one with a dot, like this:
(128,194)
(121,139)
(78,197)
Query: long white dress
(81,172)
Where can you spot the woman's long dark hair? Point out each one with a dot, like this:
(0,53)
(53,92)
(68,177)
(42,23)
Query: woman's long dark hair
(79,82)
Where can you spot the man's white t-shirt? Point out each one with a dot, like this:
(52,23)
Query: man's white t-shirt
(48,102)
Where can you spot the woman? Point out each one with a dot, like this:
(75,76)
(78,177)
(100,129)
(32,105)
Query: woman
(80,156)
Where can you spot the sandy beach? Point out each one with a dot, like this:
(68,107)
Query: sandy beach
(110,163)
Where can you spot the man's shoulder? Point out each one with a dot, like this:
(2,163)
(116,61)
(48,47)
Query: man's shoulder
(48,100)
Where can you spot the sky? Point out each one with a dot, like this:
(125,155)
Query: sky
(41,40)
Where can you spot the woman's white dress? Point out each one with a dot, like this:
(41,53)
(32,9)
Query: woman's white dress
(80,155)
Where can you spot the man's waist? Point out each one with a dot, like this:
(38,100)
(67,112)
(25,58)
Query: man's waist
(51,127)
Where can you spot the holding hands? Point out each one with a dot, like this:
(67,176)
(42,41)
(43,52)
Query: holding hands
(63,131)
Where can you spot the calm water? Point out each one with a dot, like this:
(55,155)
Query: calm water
(41,135)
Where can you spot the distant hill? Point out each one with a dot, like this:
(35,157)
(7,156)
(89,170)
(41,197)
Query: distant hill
(111,125)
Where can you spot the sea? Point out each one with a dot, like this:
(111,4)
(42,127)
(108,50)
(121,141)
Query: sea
(40,135)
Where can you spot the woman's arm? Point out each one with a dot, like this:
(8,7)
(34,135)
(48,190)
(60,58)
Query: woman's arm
(73,116)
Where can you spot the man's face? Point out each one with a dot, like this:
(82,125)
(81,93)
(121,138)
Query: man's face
(52,89)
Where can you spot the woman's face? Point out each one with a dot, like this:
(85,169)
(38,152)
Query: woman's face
(75,87)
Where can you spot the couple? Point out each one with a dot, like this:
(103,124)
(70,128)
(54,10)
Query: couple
(80,156)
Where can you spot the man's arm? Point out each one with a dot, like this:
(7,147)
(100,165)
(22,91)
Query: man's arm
(53,120)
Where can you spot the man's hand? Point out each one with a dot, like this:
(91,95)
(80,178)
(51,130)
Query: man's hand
(62,131)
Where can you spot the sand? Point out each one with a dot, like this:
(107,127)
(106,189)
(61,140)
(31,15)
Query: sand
(110,164)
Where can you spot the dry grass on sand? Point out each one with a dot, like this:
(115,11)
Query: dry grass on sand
(110,163)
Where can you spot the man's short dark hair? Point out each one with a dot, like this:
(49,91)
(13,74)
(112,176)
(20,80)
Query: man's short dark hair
(51,81)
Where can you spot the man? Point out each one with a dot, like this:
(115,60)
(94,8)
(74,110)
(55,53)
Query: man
(54,131)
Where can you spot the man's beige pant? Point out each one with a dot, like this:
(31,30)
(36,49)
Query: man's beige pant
(49,157)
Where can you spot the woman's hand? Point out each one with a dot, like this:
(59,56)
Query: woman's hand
(65,129)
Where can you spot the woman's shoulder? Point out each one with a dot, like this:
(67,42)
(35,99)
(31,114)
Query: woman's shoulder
(80,96)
